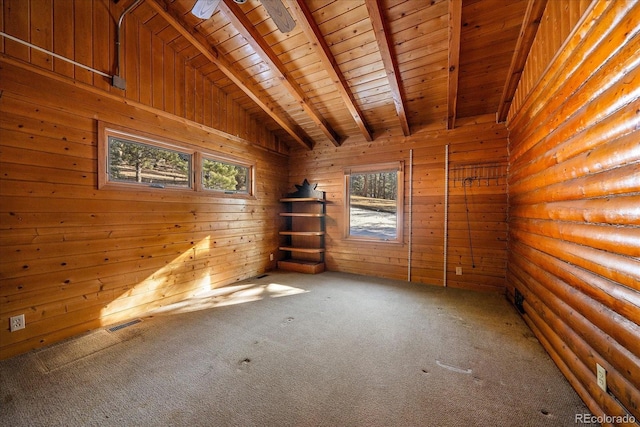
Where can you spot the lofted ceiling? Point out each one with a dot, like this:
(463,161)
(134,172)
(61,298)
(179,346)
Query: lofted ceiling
(355,70)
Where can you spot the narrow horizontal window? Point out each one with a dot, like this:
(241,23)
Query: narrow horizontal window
(226,176)
(140,163)
(128,159)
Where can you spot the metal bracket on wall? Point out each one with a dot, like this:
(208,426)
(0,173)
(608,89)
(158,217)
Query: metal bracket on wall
(482,173)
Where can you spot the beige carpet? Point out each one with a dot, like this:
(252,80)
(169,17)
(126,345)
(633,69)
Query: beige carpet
(300,350)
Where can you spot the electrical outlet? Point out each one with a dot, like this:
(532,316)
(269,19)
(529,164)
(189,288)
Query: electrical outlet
(270,257)
(16,323)
(458,271)
(602,377)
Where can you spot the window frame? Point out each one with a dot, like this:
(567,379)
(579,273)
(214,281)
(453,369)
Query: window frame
(207,155)
(107,130)
(398,167)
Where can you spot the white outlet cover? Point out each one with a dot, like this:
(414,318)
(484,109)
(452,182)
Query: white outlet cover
(458,271)
(602,377)
(16,323)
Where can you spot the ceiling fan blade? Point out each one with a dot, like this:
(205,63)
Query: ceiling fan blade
(204,9)
(279,14)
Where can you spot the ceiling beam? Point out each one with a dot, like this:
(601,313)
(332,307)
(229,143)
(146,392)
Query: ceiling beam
(530,24)
(245,27)
(250,89)
(314,35)
(455,25)
(389,60)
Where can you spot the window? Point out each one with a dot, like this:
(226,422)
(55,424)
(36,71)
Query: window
(129,159)
(374,202)
(226,176)
(135,162)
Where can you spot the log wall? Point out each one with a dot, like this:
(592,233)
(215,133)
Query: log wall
(74,258)
(559,19)
(470,144)
(574,203)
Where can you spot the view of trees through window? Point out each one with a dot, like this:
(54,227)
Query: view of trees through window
(221,176)
(131,161)
(373,205)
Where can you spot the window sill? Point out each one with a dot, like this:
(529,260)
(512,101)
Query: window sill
(359,240)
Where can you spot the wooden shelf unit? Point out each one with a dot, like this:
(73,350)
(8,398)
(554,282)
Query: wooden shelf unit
(305,230)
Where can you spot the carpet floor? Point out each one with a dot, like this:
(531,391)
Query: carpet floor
(289,349)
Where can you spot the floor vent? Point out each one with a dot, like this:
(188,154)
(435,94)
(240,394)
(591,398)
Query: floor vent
(519,301)
(124,325)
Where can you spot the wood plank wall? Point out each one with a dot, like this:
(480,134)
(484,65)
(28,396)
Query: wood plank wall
(158,70)
(73,257)
(574,192)
(559,19)
(470,144)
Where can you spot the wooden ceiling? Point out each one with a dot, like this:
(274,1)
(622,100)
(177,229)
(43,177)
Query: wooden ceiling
(355,70)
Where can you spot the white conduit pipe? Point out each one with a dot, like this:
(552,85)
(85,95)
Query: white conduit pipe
(446,210)
(55,55)
(410,213)
(117,80)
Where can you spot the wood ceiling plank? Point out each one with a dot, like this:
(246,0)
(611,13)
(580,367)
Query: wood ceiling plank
(477,54)
(168,34)
(302,73)
(245,27)
(431,63)
(424,46)
(328,11)
(144,13)
(530,24)
(491,11)
(494,64)
(423,67)
(374,8)
(312,82)
(377,75)
(247,87)
(198,62)
(208,26)
(292,42)
(455,24)
(412,14)
(371,61)
(156,24)
(312,31)
(500,31)
(343,53)
(490,30)
(433,29)
(348,36)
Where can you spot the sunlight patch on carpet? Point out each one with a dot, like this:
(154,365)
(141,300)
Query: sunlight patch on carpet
(228,295)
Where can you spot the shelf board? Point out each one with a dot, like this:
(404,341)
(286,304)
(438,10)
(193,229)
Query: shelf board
(302,214)
(302,233)
(301,266)
(303,199)
(303,250)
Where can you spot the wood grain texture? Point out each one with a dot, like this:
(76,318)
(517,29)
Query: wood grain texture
(469,144)
(74,257)
(488,40)
(574,229)
(455,22)
(553,30)
(387,52)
